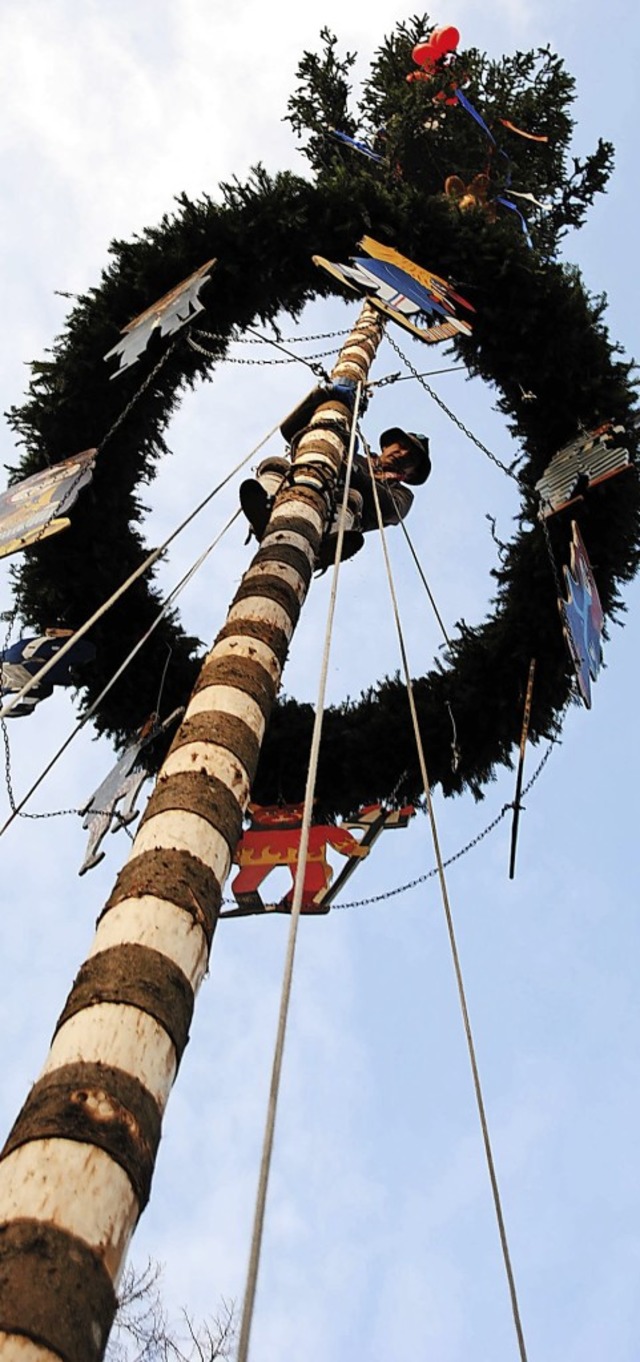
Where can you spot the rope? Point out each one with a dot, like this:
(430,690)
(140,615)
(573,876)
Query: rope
(267,1147)
(425,582)
(406,378)
(457,855)
(139,572)
(452,417)
(452,940)
(173,594)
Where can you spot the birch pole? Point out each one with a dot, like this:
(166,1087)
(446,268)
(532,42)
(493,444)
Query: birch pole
(76,1170)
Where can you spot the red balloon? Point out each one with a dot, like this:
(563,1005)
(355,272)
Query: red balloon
(445,40)
(430,50)
(423,53)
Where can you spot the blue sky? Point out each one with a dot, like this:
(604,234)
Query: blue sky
(380,1239)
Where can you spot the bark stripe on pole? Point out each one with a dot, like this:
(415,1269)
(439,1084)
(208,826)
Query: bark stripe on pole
(175,877)
(141,977)
(65,1292)
(121,1037)
(106,1106)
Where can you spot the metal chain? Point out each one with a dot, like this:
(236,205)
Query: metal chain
(7,764)
(289,340)
(460,424)
(13,616)
(552,558)
(457,855)
(11,619)
(316,369)
(146,382)
(61,813)
(230,359)
(390,893)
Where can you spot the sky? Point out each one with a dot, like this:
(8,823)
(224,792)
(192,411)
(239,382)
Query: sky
(380,1237)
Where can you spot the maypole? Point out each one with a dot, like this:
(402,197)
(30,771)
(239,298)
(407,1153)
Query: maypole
(76,1171)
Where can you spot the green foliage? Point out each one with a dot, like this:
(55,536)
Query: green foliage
(321,100)
(426,139)
(536,327)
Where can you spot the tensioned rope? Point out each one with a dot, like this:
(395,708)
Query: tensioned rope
(248,1305)
(456,856)
(167,605)
(452,937)
(425,583)
(138,572)
(408,378)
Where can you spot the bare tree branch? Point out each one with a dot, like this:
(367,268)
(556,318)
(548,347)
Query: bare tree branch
(142,1331)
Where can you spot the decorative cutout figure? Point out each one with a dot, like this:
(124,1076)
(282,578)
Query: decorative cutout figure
(123,783)
(32,510)
(273,839)
(582,617)
(22,660)
(441,290)
(402,290)
(581,465)
(177,307)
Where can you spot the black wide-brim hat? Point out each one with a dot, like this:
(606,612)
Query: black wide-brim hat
(419,446)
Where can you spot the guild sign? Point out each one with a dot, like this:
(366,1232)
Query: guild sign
(177,307)
(32,510)
(580,465)
(582,617)
(273,839)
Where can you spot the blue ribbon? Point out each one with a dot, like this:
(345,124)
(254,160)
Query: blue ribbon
(507,203)
(466,104)
(362,147)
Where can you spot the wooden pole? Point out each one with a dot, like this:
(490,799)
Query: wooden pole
(76,1170)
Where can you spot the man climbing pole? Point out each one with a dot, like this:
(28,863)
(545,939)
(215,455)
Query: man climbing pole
(404,458)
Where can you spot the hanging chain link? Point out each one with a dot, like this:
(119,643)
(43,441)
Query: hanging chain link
(146,382)
(288,340)
(232,359)
(452,417)
(292,358)
(457,855)
(7,764)
(552,558)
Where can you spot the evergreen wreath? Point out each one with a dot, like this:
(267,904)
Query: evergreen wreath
(264,233)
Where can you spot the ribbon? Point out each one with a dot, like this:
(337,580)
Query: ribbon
(531,136)
(506,203)
(466,104)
